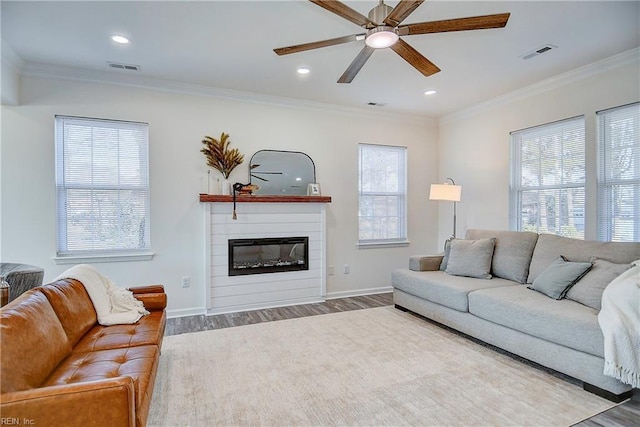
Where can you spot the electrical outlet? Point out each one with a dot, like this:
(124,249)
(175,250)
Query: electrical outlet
(331,270)
(186,281)
(346,269)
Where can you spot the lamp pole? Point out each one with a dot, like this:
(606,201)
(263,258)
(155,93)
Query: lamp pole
(455,219)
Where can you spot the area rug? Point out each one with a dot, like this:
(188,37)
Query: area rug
(371,367)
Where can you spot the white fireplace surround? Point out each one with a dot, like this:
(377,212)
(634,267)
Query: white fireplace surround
(226,294)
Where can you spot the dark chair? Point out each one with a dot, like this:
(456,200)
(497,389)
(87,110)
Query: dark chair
(21,277)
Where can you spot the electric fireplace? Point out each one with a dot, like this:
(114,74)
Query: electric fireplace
(268,255)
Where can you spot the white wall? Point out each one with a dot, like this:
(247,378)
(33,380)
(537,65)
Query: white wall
(177,124)
(474,144)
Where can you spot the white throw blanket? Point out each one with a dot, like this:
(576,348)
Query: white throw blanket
(619,320)
(114,306)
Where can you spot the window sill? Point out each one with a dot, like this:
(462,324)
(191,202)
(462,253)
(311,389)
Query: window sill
(374,245)
(87,259)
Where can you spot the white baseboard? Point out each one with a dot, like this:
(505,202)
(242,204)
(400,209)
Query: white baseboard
(359,292)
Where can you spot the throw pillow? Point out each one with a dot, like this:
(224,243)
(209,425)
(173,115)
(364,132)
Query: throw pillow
(445,258)
(588,290)
(555,280)
(471,258)
(512,255)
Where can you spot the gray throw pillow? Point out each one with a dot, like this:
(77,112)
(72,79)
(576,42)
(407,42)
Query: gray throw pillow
(588,290)
(445,258)
(557,278)
(471,258)
(512,255)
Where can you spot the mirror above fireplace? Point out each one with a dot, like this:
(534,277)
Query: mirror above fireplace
(281,172)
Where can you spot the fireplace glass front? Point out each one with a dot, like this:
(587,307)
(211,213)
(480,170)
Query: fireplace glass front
(268,255)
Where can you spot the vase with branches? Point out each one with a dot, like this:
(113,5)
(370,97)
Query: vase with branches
(220,156)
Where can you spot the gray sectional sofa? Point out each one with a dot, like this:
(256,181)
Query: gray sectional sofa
(501,309)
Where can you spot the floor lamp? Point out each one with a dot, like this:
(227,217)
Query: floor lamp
(450,192)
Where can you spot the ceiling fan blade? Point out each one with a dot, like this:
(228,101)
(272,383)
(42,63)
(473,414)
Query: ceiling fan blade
(460,24)
(345,12)
(315,45)
(401,11)
(415,58)
(356,65)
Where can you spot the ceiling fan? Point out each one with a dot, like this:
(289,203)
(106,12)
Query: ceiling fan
(383,30)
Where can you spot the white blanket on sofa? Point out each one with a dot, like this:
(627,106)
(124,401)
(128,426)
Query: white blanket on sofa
(114,306)
(619,320)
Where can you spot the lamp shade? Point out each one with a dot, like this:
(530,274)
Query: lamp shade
(447,192)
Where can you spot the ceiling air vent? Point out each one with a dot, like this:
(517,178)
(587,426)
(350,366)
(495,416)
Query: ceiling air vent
(538,51)
(128,67)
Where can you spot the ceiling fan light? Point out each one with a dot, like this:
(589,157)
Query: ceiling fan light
(381,37)
(120,39)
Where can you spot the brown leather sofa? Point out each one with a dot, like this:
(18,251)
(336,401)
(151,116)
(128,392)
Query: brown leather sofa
(61,368)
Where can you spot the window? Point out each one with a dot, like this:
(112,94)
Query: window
(548,178)
(382,195)
(619,174)
(102,183)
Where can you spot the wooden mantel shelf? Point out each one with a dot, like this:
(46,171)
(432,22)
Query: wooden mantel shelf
(218,198)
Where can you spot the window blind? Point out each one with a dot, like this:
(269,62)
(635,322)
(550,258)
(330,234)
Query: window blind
(382,194)
(619,174)
(102,186)
(548,178)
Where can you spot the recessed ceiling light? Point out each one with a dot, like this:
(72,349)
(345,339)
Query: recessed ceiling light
(303,70)
(120,39)
(430,92)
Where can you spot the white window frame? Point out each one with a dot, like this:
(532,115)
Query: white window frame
(69,180)
(618,189)
(573,223)
(399,193)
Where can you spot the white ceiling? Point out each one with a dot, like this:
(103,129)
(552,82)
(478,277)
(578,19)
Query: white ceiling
(228,45)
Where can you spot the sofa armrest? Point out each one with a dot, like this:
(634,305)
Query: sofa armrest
(110,402)
(147,289)
(152,296)
(425,262)
(153,302)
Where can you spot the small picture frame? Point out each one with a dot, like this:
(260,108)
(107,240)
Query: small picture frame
(313,189)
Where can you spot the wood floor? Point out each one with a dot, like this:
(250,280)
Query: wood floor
(181,325)
(626,414)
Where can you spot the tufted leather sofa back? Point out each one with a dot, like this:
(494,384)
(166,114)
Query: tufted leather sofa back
(72,305)
(33,342)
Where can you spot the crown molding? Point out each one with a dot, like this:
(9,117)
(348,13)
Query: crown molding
(616,61)
(118,78)
(11,58)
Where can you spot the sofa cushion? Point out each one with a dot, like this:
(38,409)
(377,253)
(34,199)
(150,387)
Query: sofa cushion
(139,363)
(512,254)
(471,258)
(588,290)
(73,307)
(563,322)
(441,288)
(550,247)
(33,342)
(559,276)
(149,330)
